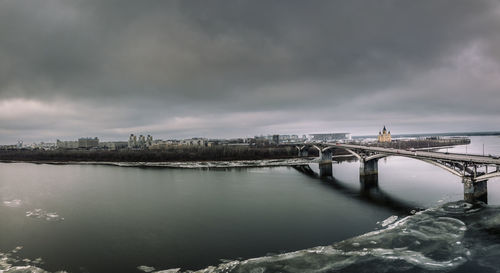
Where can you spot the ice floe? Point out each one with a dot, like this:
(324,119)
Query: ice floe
(389,220)
(146,268)
(11,262)
(205,164)
(429,240)
(45,215)
(13,203)
(172,270)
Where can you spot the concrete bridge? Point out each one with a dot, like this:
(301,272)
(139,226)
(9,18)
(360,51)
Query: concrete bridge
(474,170)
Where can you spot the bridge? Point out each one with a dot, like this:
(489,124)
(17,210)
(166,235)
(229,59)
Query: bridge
(474,170)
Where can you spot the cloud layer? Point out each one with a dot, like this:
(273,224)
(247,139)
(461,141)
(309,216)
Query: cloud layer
(241,68)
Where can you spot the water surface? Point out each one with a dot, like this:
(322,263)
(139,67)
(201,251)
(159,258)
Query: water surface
(85,218)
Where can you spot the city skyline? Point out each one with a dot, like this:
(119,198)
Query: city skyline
(288,137)
(227,69)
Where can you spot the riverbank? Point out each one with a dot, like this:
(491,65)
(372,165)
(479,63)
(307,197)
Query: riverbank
(185,164)
(198,156)
(177,154)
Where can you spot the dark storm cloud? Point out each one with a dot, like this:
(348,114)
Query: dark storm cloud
(139,61)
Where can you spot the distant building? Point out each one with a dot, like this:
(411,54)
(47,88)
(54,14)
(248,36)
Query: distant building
(44,145)
(113,145)
(384,136)
(142,142)
(276,139)
(66,144)
(259,141)
(149,141)
(88,142)
(330,136)
(194,142)
(119,145)
(132,141)
(160,145)
(8,147)
(81,143)
(289,139)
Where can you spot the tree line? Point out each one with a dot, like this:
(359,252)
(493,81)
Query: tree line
(219,153)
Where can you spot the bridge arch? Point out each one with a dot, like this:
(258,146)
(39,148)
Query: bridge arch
(358,156)
(465,167)
(487,176)
(376,156)
(435,163)
(300,148)
(442,166)
(317,148)
(457,169)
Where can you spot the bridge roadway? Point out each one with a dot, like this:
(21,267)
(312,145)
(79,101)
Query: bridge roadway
(474,159)
(475,170)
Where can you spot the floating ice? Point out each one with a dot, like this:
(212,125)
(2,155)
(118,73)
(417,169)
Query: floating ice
(389,220)
(38,261)
(13,203)
(425,241)
(173,270)
(433,240)
(25,269)
(210,164)
(43,214)
(10,262)
(146,268)
(16,249)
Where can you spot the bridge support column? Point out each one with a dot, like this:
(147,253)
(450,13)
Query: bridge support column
(475,191)
(369,167)
(325,163)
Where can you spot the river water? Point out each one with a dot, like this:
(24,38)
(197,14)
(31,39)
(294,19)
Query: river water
(89,218)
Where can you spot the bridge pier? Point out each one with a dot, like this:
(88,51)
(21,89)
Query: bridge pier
(369,167)
(325,163)
(475,191)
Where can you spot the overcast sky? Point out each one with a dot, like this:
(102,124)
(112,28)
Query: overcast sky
(233,68)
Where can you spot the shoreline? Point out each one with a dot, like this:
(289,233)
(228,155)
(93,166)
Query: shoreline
(183,164)
(199,158)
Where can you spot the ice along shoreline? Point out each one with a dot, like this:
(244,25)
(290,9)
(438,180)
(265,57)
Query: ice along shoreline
(182,164)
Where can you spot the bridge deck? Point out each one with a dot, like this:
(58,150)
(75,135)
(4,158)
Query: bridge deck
(477,159)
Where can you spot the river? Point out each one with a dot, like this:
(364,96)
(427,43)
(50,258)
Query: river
(90,218)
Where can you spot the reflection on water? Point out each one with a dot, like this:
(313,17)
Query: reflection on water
(368,191)
(130,219)
(169,218)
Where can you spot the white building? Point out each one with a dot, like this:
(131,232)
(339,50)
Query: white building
(66,144)
(331,136)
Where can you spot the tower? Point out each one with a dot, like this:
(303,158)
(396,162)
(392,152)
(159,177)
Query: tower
(384,136)
(149,140)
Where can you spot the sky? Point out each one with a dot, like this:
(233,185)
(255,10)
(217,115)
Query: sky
(224,69)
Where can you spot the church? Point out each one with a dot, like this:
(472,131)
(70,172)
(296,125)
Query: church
(384,136)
